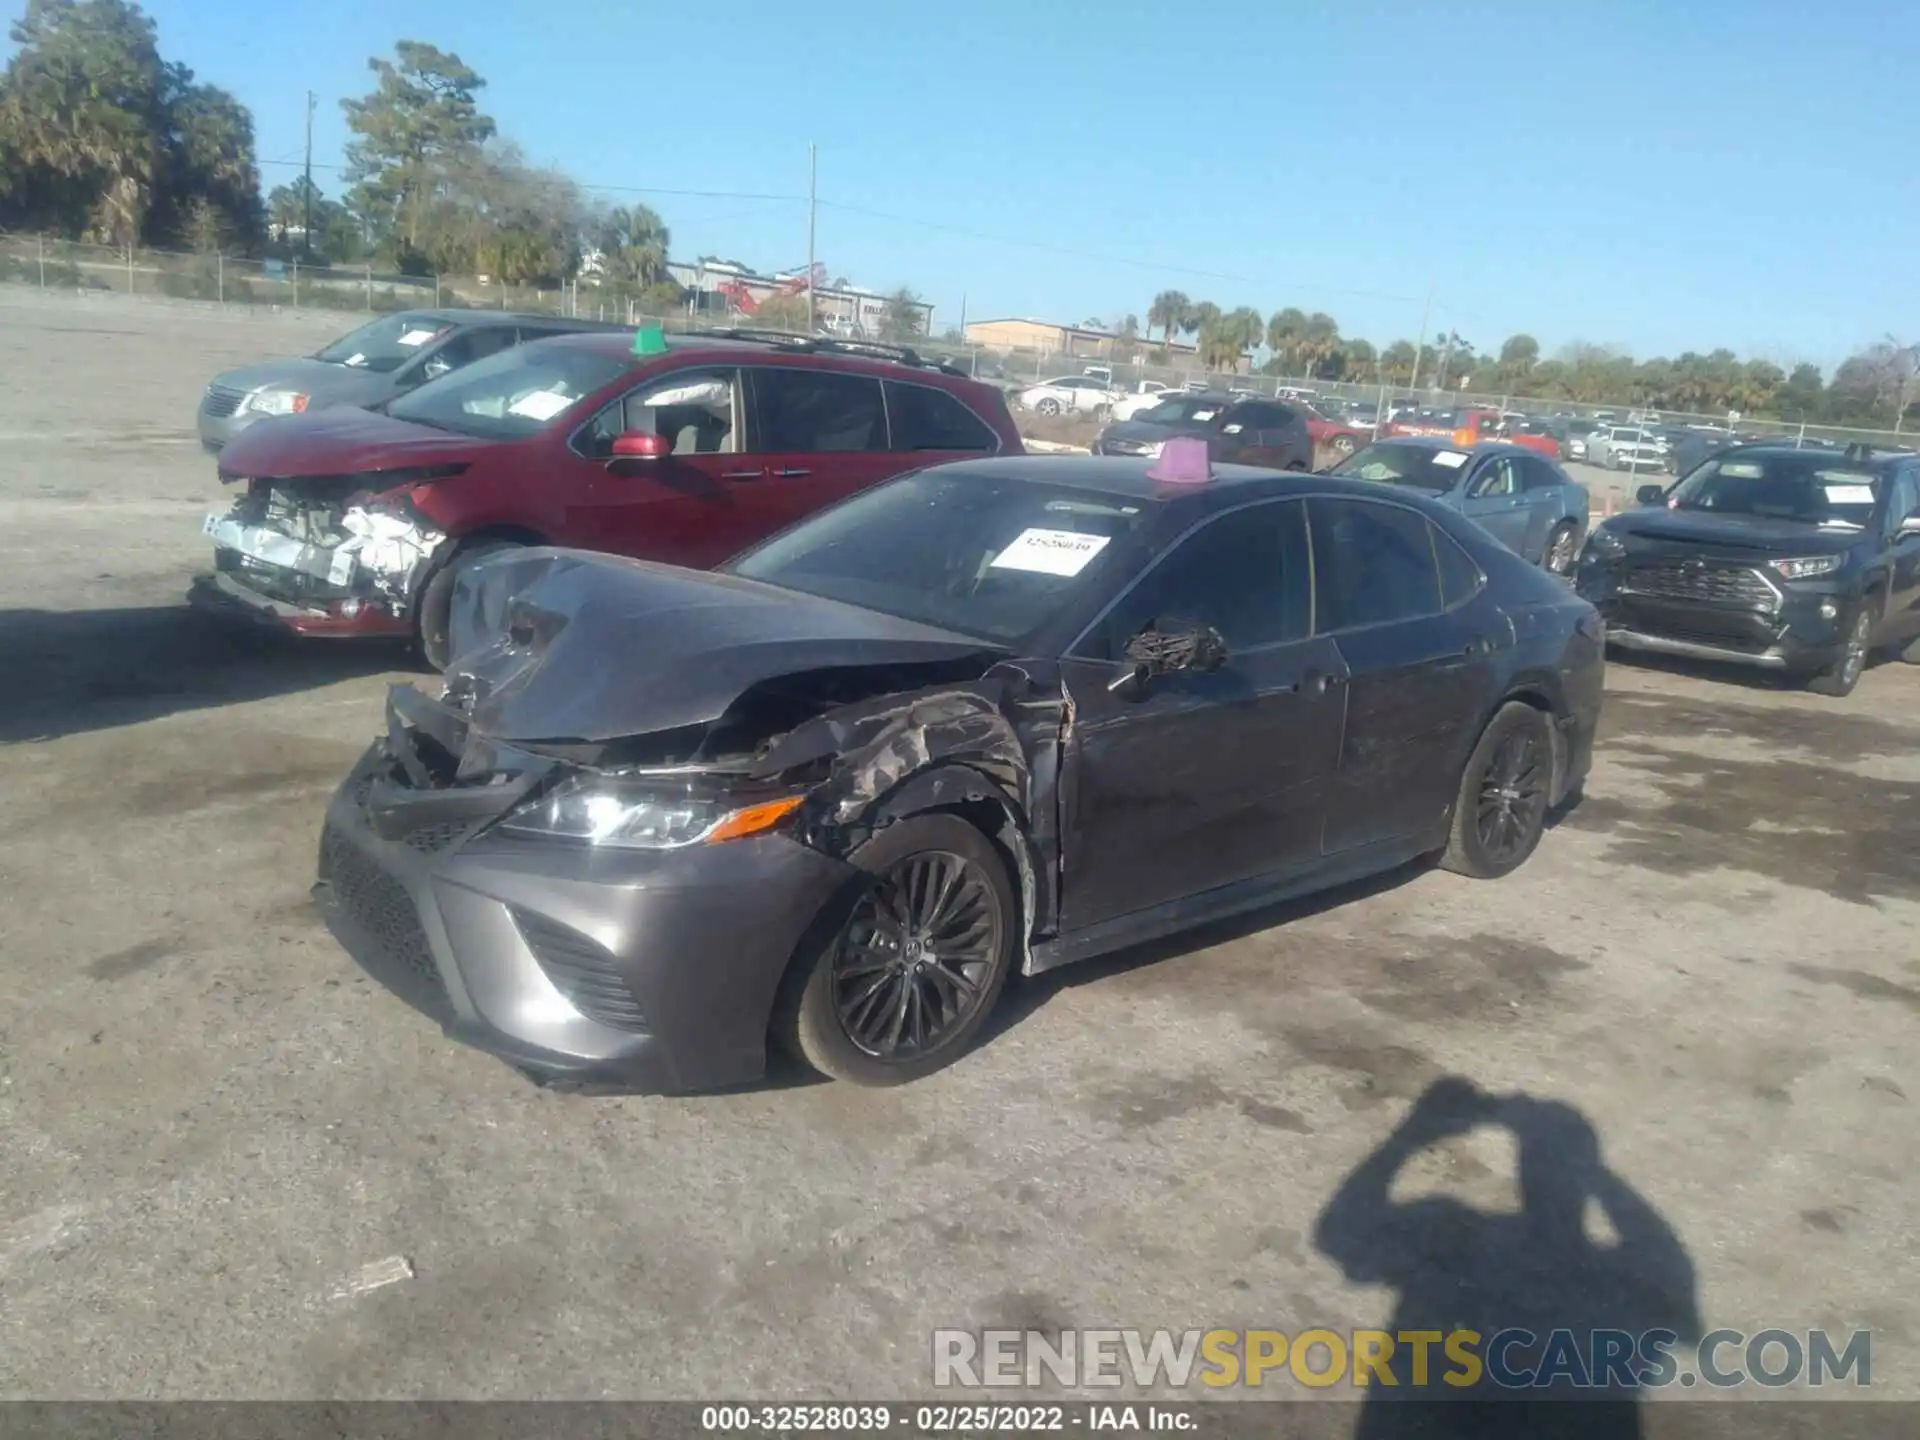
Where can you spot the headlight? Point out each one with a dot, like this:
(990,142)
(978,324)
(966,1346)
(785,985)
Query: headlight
(1603,544)
(600,811)
(276,402)
(1807,566)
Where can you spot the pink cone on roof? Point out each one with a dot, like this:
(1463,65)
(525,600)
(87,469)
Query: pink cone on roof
(1183,461)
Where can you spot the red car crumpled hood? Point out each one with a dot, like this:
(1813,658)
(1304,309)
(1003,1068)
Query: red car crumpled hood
(342,441)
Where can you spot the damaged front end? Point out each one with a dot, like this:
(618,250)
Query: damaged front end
(643,792)
(324,555)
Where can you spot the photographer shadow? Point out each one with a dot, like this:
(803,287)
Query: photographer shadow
(1539,1270)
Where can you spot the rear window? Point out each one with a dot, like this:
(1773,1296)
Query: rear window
(924,418)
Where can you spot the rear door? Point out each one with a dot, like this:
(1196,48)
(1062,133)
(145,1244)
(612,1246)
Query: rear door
(1202,779)
(1546,490)
(695,506)
(1902,620)
(820,436)
(1495,497)
(1407,608)
(1259,432)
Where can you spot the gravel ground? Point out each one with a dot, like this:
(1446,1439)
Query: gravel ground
(213,1131)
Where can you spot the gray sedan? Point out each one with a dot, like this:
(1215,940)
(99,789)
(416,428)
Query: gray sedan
(382,359)
(1524,500)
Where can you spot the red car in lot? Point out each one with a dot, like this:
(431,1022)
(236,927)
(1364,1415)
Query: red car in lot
(1470,427)
(678,448)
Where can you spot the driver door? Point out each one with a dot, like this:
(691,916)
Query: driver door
(1198,780)
(695,505)
(1495,497)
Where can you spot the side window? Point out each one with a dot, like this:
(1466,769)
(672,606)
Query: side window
(692,410)
(1245,573)
(1371,564)
(924,418)
(1903,500)
(467,347)
(1496,477)
(1540,475)
(1460,577)
(817,410)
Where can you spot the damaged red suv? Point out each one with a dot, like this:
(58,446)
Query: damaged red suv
(683,448)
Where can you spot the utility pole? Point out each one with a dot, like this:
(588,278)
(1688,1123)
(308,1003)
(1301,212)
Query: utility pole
(813,170)
(306,222)
(1426,313)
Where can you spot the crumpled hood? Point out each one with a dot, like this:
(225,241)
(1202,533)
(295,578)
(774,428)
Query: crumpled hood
(322,383)
(567,646)
(343,441)
(1754,532)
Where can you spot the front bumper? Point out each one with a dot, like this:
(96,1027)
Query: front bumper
(227,594)
(216,431)
(648,971)
(1793,635)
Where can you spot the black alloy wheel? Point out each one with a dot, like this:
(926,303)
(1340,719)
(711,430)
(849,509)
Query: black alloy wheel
(1839,678)
(1501,810)
(915,960)
(912,966)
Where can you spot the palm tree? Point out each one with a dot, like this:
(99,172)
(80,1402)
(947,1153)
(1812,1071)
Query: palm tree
(1284,331)
(1170,310)
(1319,338)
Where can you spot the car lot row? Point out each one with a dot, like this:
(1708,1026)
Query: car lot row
(533,855)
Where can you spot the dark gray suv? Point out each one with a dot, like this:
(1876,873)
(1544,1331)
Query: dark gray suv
(1238,430)
(382,359)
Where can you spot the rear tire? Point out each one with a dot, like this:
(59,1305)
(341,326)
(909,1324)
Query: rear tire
(1911,654)
(1501,809)
(431,624)
(1341,446)
(1559,555)
(930,945)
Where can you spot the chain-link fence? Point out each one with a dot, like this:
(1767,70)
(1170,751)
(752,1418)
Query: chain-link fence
(55,264)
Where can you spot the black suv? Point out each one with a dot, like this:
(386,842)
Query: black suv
(1803,561)
(1240,430)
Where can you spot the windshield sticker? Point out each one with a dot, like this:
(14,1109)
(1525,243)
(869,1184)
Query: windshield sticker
(416,337)
(1231,429)
(1450,459)
(1050,552)
(1742,472)
(1849,494)
(540,405)
(356,358)
(1203,415)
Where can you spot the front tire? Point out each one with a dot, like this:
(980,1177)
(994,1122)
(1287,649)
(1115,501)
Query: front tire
(432,625)
(1501,810)
(1047,406)
(1839,678)
(904,985)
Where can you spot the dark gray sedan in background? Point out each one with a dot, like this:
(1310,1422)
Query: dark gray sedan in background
(1524,500)
(382,359)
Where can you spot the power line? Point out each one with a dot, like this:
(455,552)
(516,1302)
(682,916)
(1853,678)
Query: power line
(623,189)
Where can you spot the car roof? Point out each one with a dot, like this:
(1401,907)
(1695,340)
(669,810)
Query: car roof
(619,341)
(460,315)
(1125,477)
(1876,459)
(1477,449)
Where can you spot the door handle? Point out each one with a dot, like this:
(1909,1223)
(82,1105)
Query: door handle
(1317,682)
(1476,647)
(741,474)
(791,472)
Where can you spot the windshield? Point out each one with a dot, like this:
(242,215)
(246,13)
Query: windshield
(512,394)
(1806,488)
(1420,467)
(385,344)
(1186,411)
(987,555)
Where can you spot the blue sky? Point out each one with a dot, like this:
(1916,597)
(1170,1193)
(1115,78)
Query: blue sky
(1660,176)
